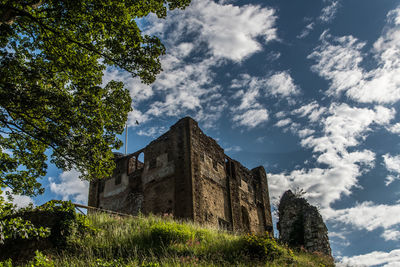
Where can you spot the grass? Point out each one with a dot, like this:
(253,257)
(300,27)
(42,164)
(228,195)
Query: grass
(154,241)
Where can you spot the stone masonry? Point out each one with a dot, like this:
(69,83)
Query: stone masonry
(300,224)
(187,174)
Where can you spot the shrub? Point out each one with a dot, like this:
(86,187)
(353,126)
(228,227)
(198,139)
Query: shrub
(41,260)
(262,246)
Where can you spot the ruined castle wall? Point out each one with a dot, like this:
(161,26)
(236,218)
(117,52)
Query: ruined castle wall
(262,199)
(157,177)
(187,173)
(114,193)
(211,201)
(166,176)
(300,224)
(249,218)
(222,197)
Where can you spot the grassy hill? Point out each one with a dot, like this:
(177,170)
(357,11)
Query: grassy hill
(154,241)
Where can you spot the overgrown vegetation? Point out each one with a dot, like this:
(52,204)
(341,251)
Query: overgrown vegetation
(155,241)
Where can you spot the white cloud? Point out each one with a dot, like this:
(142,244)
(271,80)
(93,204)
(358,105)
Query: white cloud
(251,111)
(20,201)
(394,16)
(251,118)
(136,116)
(390,179)
(280,114)
(312,110)
(392,164)
(152,131)
(391,234)
(386,259)
(282,84)
(272,56)
(233,149)
(283,123)
(339,60)
(304,33)
(328,13)
(305,132)
(70,186)
(138,91)
(367,215)
(223,32)
(343,127)
(394,128)
(230,31)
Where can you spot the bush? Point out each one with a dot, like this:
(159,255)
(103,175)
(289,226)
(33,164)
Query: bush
(262,247)
(41,260)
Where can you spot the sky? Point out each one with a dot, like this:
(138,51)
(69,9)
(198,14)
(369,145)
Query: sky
(309,89)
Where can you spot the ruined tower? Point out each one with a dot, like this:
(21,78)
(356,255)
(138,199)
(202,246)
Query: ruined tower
(301,225)
(187,174)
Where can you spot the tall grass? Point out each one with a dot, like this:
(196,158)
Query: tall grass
(155,241)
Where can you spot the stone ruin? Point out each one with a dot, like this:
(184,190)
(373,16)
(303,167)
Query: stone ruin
(301,225)
(186,174)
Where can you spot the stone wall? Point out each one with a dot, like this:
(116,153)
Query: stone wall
(186,173)
(300,224)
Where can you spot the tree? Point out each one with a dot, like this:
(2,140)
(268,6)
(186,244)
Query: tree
(52,102)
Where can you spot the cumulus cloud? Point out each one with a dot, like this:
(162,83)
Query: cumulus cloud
(343,127)
(281,84)
(138,91)
(394,128)
(20,201)
(253,90)
(386,259)
(223,32)
(70,187)
(283,122)
(229,31)
(251,118)
(369,216)
(392,164)
(391,234)
(339,60)
(305,132)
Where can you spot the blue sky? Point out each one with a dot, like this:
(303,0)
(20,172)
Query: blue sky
(309,89)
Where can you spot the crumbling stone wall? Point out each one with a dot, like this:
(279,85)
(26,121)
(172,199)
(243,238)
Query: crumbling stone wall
(186,173)
(300,224)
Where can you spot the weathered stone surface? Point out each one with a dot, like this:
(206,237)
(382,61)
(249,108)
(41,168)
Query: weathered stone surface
(300,224)
(187,174)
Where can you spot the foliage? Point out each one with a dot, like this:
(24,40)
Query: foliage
(41,260)
(52,58)
(168,232)
(60,215)
(132,242)
(12,227)
(263,246)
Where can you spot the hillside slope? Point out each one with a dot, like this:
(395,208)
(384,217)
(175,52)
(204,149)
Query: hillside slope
(155,241)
